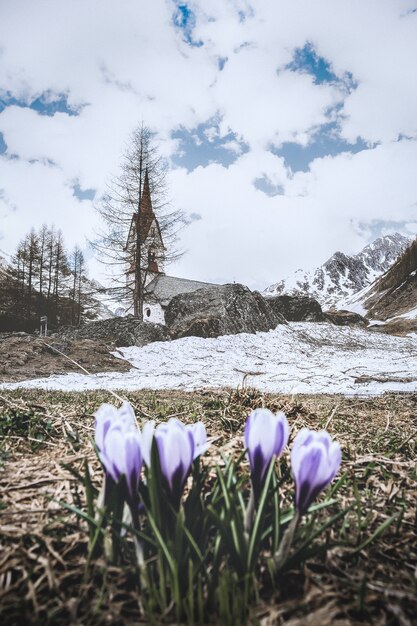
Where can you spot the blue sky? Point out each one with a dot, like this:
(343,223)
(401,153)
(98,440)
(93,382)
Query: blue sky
(278,110)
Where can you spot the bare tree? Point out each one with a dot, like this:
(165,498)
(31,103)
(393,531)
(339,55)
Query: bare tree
(42,242)
(32,246)
(77,266)
(139,226)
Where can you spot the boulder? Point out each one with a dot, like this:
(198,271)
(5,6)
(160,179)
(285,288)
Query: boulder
(345,318)
(297,308)
(221,310)
(123,331)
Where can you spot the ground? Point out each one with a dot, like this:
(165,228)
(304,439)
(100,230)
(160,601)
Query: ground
(43,574)
(24,356)
(299,357)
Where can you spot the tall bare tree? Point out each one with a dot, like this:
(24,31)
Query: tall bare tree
(131,242)
(77,266)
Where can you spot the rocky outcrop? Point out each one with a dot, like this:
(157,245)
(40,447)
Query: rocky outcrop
(222,310)
(297,308)
(345,318)
(123,331)
(398,326)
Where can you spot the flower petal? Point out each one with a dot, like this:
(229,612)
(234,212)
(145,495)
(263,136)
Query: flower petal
(148,432)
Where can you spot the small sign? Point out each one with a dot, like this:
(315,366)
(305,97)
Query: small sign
(43,330)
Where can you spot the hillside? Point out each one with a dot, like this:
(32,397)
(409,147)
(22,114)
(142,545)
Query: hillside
(395,293)
(342,275)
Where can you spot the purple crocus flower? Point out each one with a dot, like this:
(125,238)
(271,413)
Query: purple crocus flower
(107,415)
(176,449)
(118,442)
(122,456)
(198,431)
(315,460)
(266,436)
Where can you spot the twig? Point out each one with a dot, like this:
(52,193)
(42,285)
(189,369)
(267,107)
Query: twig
(331,416)
(113,393)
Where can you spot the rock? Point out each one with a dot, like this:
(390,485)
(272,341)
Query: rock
(345,318)
(222,310)
(123,331)
(401,327)
(297,308)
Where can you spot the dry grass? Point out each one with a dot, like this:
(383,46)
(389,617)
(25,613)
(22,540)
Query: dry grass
(43,573)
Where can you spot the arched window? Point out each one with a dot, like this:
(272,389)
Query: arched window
(147,312)
(151,254)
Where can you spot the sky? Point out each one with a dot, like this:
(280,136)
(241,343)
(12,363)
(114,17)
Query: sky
(289,126)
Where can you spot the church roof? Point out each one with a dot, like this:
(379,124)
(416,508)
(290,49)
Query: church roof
(163,288)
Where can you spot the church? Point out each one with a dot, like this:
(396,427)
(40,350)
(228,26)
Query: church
(159,289)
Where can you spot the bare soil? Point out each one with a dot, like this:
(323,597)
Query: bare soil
(24,356)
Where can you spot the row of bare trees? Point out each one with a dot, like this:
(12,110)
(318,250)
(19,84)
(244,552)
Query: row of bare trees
(46,279)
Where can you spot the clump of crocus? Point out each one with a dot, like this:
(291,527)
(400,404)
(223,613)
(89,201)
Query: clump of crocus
(315,461)
(266,436)
(178,446)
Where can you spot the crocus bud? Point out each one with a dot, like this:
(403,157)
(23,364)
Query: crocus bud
(119,444)
(122,456)
(107,415)
(266,436)
(176,453)
(198,431)
(315,460)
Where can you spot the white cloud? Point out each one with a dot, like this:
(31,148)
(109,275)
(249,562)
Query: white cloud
(38,193)
(126,62)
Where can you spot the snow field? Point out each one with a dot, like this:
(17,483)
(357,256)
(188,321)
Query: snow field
(297,358)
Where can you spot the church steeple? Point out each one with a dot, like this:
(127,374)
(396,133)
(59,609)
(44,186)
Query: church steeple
(146,214)
(145,222)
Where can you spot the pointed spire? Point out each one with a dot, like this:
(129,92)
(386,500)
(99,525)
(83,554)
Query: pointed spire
(146,202)
(146,214)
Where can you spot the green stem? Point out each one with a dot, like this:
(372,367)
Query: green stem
(249,513)
(281,556)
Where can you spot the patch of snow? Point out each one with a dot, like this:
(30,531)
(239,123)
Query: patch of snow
(298,358)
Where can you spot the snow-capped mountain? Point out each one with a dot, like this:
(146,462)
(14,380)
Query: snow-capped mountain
(342,275)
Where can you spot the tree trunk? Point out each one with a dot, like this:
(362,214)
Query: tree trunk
(138,296)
